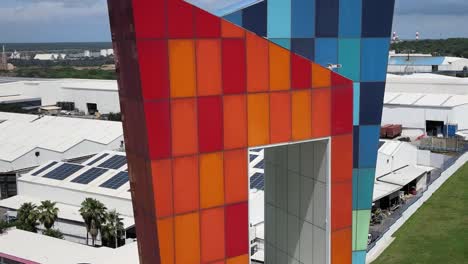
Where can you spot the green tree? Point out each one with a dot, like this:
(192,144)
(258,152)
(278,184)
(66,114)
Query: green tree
(4,226)
(94,216)
(113,231)
(48,213)
(53,233)
(27,217)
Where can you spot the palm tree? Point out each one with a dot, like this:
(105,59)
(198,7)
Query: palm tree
(27,216)
(94,215)
(48,213)
(114,229)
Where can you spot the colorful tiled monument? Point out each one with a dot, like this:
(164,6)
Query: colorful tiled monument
(197,91)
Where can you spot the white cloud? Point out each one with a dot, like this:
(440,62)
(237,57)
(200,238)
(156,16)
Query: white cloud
(430,26)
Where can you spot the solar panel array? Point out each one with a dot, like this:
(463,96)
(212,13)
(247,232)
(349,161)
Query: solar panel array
(89,175)
(257,181)
(114,162)
(260,164)
(117,181)
(44,168)
(252,157)
(63,171)
(98,159)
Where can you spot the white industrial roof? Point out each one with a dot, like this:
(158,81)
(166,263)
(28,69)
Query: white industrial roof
(382,189)
(17,98)
(43,249)
(106,85)
(390,147)
(402,176)
(425,77)
(418,99)
(21,133)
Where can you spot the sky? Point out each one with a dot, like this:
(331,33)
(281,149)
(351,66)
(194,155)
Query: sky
(87,20)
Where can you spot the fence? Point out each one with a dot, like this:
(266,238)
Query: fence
(442,144)
(396,215)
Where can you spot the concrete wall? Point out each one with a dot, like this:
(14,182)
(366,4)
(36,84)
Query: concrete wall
(415,117)
(386,163)
(296,194)
(73,197)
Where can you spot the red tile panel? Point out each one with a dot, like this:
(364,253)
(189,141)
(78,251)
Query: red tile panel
(301,72)
(207,25)
(342,110)
(158,125)
(237,231)
(210,123)
(342,158)
(154,58)
(212,234)
(234,67)
(150,18)
(180,18)
(341,205)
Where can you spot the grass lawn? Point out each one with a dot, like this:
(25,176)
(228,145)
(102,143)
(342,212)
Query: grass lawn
(438,232)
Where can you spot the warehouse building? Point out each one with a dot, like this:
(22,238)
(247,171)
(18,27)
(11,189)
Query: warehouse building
(103,177)
(30,140)
(427,104)
(425,63)
(86,96)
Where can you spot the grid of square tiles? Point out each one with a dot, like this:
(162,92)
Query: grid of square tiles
(208,90)
(355,34)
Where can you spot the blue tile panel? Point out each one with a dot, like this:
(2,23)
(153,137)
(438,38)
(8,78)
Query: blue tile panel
(355,34)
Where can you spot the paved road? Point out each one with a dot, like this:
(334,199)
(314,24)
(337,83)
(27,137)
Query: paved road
(18,79)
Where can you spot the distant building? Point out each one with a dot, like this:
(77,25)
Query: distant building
(50,56)
(107,52)
(426,104)
(15,55)
(425,63)
(87,96)
(103,177)
(92,54)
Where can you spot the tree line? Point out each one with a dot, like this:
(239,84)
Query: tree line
(97,219)
(457,47)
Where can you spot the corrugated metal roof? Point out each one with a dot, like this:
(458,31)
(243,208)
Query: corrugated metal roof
(433,100)
(407,99)
(21,133)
